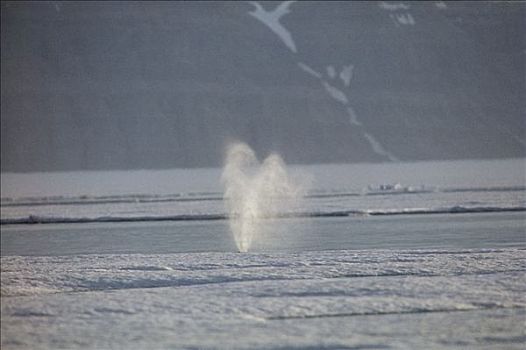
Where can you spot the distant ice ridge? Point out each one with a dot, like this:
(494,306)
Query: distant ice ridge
(218,196)
(375,199)
(333,192)
(254,192)
(246,226)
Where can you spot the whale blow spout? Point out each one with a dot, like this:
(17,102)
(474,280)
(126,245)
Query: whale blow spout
(254,192)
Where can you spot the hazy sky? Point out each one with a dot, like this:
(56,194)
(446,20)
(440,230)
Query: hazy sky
(131,85)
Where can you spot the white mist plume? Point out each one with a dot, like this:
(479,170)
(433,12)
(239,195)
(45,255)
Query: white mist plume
(254,192)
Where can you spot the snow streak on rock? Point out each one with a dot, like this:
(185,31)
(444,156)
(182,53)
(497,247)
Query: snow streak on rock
(393,7)
(378,148)
(335,93)
(346,74)
(271,19)
(309,70)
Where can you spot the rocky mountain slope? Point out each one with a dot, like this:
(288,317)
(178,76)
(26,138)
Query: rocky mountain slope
(125,85)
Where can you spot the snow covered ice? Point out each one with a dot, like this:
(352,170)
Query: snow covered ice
(318,299)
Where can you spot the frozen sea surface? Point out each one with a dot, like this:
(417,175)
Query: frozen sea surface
(379,299)
(336,273)
(101,286)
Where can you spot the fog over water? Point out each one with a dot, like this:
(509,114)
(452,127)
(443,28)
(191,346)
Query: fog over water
(157,85)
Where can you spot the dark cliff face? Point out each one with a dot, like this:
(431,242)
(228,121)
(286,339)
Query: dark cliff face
(168,84)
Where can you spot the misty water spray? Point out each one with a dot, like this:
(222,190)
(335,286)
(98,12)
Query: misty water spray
(254,192)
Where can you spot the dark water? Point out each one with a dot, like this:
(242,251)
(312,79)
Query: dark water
(443,231)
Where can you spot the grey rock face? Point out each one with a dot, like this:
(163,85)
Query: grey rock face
(123,85)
